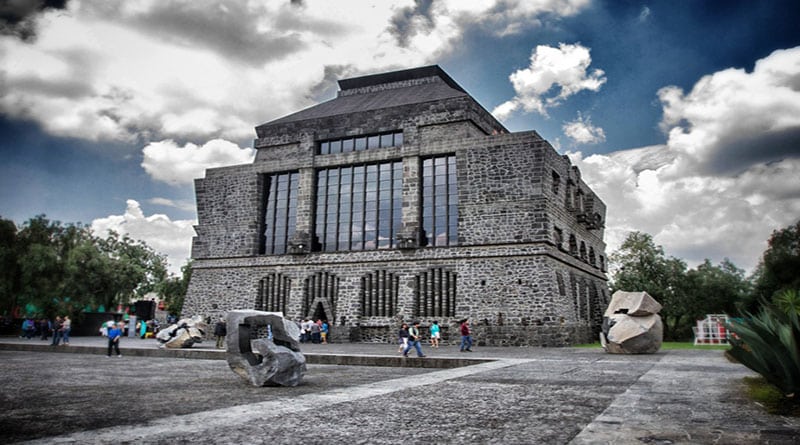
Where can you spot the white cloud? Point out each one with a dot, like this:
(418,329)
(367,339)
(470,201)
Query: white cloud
(170,238)
(141,71)
(582,131)
(167,162)
(166,202)
(715,189)
(554,75)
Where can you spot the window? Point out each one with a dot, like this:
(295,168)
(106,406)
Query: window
(440,201)
(359,143)
(359,206)
(280,212)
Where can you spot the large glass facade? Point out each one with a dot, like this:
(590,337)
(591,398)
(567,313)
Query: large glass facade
(440,201)
(359,206)
(280,212)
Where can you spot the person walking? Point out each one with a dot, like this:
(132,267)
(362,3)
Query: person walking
(413,340)
(466,339)
(435,334)
(402,337)
(220,331)
(114,335)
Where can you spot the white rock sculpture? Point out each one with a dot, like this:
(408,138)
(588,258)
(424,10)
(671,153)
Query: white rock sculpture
(263,348)
(631,324)
(183,334)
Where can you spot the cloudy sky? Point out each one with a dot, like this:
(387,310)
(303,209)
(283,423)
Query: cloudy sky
(683,116)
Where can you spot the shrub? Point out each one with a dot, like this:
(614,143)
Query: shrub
(769,344)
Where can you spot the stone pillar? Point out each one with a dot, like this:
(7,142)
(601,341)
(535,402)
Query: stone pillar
(409,235)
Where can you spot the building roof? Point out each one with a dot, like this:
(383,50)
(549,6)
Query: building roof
(376,91)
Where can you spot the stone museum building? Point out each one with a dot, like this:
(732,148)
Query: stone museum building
(403,199)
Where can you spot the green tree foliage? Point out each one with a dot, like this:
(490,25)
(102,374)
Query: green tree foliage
(62,269)
(779,268)
(686,295)
(173,289)
(9,283)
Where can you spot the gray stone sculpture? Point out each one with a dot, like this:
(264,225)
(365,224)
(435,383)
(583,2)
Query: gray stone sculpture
(631,324)
(183,334)
(277,360)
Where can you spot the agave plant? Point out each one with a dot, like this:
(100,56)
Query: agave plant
(769,344)
(788,301)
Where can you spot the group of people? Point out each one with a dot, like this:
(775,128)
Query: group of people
(59,328)
(314,331)
(410,337)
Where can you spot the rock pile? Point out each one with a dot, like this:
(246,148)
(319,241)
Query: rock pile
(183,334)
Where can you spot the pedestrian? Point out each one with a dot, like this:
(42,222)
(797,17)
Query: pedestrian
(305,331)
(414,340)
(315,333)
(324,332)
(220,331)
(142,329)
(67,328)
(435,334)
(114,335)
(28,328)
(58,331)
(44,327)
(402,337)
(466,339)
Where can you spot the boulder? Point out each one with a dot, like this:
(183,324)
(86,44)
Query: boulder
(263,348)
(183,334)
(631,324)
(635,304)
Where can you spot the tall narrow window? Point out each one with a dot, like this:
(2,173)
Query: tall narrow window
(359,206)
(280,212)
(440,201)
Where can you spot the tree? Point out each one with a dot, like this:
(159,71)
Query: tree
(60,269)
(173,289)
(780,263)
(9,282)
(642,266)
(685,295)
(718,289)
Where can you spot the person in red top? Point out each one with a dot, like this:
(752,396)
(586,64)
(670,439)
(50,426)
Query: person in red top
(466,339)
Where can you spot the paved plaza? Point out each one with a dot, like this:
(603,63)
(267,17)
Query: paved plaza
(493,395)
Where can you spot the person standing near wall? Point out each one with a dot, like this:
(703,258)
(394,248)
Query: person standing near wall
(220,331)
(324,332)
(435,334)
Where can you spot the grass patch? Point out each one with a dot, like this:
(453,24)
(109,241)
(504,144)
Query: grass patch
(668,345)
(768,396)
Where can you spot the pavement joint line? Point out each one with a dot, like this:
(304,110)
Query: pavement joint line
(172,426)
(609,416)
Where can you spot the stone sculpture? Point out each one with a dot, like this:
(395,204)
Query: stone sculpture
(631,324)
(183,334)
(270,359)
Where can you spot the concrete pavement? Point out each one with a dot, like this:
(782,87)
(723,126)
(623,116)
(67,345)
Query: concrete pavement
(74,394)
